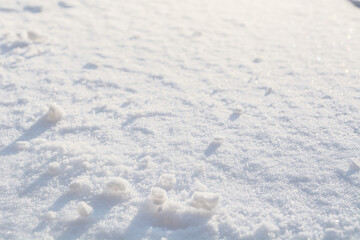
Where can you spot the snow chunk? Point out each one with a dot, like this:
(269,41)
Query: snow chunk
(204,200)
(80,185)
(173,214)
(55,113)
(167,181)
(84,209)
(117,188)
(53,168)
(158,196)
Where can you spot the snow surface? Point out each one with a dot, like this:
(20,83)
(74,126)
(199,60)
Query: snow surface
(207,119)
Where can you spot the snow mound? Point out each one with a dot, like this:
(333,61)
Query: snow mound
(84,209)
(55,113)
(117,188)
(167,181)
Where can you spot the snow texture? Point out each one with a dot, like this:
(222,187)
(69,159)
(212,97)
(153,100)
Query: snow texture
(168,119)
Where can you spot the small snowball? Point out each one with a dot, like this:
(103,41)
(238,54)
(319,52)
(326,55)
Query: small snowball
(50,215)
(158,196)
(167,181)
(117,188)
(79,185)
(55,113)
(84,209)
(22,145)
(53,169)
(204,200)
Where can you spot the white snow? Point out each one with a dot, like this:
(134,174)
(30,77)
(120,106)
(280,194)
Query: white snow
(53,168)
(207,119)
(167,181)
(84,209)
(81,185)
(117,188)
(204,200)
(55,113)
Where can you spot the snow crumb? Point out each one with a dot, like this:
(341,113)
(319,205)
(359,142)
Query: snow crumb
(167,181)
(53,168)
(50,215)
(22,145)
(84,209)
(80,185)
(117,188)
(204,200)
(55,113)
(355,165)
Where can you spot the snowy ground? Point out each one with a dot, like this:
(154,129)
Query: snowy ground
(207,119)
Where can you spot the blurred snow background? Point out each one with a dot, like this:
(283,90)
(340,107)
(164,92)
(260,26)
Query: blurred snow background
(230,119)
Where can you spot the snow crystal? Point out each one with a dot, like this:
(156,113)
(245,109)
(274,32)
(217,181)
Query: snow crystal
(204,200)
(55,113)
(117,188)
(53,168)
(84,209)
(167,181)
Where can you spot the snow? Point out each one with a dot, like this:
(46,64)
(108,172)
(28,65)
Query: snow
(167,181)
(84,209)
(206,119)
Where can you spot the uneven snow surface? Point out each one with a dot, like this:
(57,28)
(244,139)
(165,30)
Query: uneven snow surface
(169,119)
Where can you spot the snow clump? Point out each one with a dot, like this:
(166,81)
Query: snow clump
(55,113)
(117,188)
(204,200)
(167,181)
(84,209)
